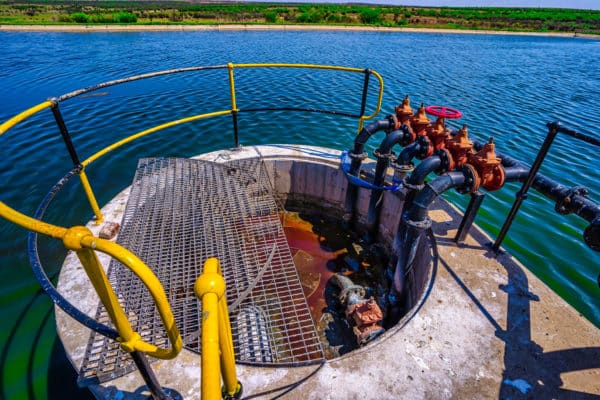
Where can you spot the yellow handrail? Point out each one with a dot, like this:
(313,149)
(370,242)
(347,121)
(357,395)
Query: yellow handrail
(217,342)
(323,67)
(157,128)
(24,115)
(83,242)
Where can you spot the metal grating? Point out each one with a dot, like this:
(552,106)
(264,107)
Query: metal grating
(179,213)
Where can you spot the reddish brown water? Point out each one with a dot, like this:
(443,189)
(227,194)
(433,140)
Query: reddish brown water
(321,248)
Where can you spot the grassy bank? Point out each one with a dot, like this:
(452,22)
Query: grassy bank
(179,12)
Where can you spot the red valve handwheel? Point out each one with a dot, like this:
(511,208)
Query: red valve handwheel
(444,112)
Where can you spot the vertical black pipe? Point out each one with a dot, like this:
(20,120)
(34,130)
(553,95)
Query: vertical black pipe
(236,139)
(363,104)
(384,154)
(522,194)
(357,154)
(148,375)
(469,217)
(62,127)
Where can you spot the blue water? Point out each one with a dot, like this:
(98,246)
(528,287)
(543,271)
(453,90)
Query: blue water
(507,87)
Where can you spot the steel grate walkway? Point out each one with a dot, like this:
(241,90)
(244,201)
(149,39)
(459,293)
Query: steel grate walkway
(182,211)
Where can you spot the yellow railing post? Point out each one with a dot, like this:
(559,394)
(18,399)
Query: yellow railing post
(81,240)
(217,343)
(90,195)
(94,270)
(232,87)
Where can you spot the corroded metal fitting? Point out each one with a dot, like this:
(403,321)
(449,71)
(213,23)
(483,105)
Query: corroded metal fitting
(472,180)
(389,155)
(413,186)
(460,146)
(421,118)
(360,156)
(488,166)
(404,111)
(366,315)
(424,224)
(438,134)
(565,205)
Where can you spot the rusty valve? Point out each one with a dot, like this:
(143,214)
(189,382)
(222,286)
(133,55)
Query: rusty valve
(460,146)
(488,167)
(365,314)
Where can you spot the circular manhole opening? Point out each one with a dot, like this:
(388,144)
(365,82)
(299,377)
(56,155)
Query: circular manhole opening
(347,281)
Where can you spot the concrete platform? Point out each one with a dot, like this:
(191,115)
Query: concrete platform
(485,327)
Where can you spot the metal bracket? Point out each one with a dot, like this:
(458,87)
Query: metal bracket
(563,206)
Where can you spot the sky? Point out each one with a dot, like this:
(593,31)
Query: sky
(581,4)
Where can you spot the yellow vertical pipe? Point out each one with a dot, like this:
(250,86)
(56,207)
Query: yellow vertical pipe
(95,272)
(90,195)
(210,288)
(231,385)
(232,87)
(211,369)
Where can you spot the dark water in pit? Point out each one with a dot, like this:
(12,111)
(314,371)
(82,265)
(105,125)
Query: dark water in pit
(321,247)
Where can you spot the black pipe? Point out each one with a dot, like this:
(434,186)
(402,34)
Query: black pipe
(383,153)
(408,153)
(363,102)
(568,200)
(62,127)
(361,139)
(415,221)
(149,377)
(415,181)
(431,190)
(517,173)
(427,166)
(357,155)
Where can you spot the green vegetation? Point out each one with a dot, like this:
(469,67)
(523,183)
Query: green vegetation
(181,12)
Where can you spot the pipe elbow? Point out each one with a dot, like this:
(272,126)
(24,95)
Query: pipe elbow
(421,203)
(407,154)
(390,140)
(369,130)
(426,167)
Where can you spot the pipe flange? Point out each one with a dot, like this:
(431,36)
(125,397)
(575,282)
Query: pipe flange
(447,164)
(394,123)
(472,179)
(425,148)
(360,156)
(389,156)
(424,224)
(413,187)
(355,290)
(563,206)
(405,168)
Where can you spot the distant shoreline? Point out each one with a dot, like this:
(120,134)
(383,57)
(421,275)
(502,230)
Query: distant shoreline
(260,27)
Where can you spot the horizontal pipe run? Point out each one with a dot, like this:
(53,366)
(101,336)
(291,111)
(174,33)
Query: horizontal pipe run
(580,205)
(580,136)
